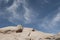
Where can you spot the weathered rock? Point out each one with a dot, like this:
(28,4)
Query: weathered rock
(20,33)
(10,29)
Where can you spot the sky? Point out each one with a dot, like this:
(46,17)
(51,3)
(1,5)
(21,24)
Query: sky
(42,15)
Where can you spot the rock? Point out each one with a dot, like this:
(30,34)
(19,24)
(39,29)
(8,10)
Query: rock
(20,33)
(10,29)
(19,28)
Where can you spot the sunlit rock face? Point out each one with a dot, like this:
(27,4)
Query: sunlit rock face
(20,33)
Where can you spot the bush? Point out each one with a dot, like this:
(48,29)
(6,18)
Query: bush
(58,39)
(48,38)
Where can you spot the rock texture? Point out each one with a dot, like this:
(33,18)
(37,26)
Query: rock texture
(20,33)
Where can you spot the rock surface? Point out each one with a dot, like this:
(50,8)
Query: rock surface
(20,33)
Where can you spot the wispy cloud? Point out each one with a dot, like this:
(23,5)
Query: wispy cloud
(15,17)
(46,1)
(22,11)
(30,16)
(51,24)
(27,15)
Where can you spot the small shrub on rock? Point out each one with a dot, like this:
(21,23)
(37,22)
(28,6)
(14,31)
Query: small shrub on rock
(58,39)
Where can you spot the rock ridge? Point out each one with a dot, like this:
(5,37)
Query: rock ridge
(20,33)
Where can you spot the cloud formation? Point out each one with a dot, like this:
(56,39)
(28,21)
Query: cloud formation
(52,24)
(40,13)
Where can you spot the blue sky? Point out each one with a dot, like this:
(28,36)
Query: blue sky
(43,15)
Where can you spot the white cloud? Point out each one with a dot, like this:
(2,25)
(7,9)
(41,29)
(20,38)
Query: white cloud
(6,0)
(13,10)
(27,15)
(56,19)
(46,1)
(50,24)
(15,16)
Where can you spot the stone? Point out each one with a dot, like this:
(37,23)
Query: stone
(20,33)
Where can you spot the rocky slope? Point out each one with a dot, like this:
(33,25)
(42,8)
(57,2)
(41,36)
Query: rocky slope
(20,33)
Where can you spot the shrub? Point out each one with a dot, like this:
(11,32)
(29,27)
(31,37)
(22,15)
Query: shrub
(48,38)
(58,39)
